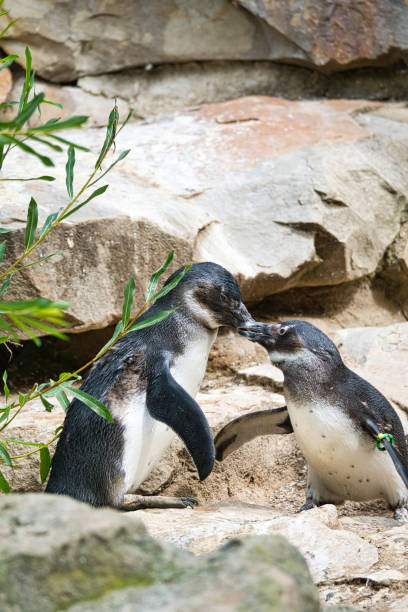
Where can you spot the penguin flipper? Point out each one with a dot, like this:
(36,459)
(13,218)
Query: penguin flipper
(399,466)
(249,426)
(169,403)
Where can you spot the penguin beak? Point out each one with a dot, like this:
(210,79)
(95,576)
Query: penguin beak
(259,332)
(241,317)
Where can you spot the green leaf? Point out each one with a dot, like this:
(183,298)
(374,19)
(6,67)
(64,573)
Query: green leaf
(58,430)
(5,286)
(6,414)
(31,226)
(68,142)
(3,230)
(95,194)
(154,279)
(157,318)
(69,170)
(125,121)
(34,322)
(2,249)
(110,135)
(29,110)
(45,463)
(5,387)
(27,84)
(52,146)
(4,485)
(128,300)
(15,441)
(62,398)
(57,124)
(47,405)
(53,103)
(4,454)
(92,403)
(5,30)
(167,288)
(48,222)
(39,260)
(118,329)
(121,156)
(22,399)
(35,178)
(19,323)
(7,139)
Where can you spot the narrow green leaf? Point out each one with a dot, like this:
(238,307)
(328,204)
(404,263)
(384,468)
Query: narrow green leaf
(6,29)
(47,405)
(5,414)
(15,441)
(110,135)
(157,318)
(118,329)
(4,454)
(45,463)
(58,429)
(128,300)
(26,89)
(22,399)
(4,339)
(48,222)
(5,387)
(5,285)
(2,249)
(95,194)
(19,323)
(31,225)
(4,485)
(169,286)
(37,261)
(3,230)
(68,142)
(92,403)
(69,171)
(29,110)
(125,121)
(62,398)
(8,57)
(47,143)
(52,103)
(57,124)
(121,156)
(35,178)
(35,323)
(154,279)
(6,103)
(7,139)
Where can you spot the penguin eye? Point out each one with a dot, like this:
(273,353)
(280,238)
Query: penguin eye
(283,331)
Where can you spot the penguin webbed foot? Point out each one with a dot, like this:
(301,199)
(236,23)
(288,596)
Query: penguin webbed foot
(308,505)
(141,502)
(401,514)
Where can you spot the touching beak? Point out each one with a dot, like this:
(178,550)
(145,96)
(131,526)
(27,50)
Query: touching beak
(241,316)
(258,332)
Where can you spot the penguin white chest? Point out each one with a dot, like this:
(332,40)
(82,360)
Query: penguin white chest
(145,439)
(342,463)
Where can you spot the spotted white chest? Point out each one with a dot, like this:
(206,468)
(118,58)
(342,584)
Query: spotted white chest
(342,464)
(145,439)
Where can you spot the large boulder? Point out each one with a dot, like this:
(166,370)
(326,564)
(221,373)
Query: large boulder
(283,194)
(57,552)
(70,39)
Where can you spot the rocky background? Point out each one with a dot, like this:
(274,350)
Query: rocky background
(272,138)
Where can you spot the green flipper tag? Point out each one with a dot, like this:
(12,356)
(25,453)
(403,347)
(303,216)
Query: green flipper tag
(380,437)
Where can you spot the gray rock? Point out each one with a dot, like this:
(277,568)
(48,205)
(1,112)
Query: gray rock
(77,40)
(68,552)
(331,553)
(226,183)
(379,354)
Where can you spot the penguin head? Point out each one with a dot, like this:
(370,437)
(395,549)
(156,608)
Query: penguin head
(212,296)
(293,342)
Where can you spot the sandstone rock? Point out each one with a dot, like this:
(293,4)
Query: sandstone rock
(332,554)
(69,552)
(6,84)
(227,183)
(379,354)
(265,375)
(66,41)
(336,35)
